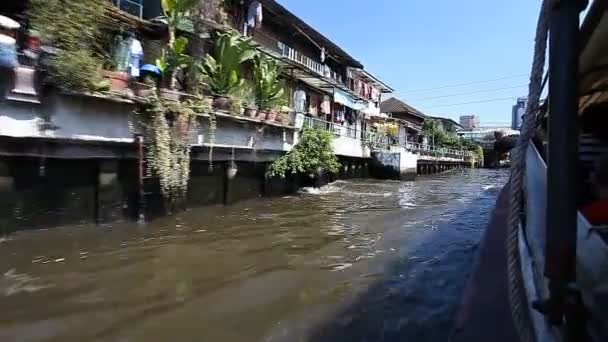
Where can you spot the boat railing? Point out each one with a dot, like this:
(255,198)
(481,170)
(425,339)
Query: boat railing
(535,210)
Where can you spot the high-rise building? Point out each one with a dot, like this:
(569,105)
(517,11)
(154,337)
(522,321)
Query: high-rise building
(469,122)
(518,111)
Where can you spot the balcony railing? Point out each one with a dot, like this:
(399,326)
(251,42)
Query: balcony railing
(298,57)
(382,141)
(133,7)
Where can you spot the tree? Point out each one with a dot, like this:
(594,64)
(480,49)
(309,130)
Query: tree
(174,56)
(312,154)
(433,130)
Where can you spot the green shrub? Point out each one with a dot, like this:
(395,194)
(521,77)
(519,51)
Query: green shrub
(312,154)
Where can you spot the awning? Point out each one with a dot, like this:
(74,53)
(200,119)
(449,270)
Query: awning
(345,99)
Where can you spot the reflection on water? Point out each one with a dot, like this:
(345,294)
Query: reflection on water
(353,261)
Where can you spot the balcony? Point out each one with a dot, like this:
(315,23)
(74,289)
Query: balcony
(133,7)
(297,57)
(382,141)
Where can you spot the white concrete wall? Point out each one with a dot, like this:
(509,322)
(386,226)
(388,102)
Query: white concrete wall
(79,117)
(90,118)
(20,121)
(349,147)
(69,117)
(408,162)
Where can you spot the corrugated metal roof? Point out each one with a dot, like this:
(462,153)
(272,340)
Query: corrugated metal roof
(394,105)
(307,30)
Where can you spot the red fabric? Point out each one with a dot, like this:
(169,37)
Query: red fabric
(596,212)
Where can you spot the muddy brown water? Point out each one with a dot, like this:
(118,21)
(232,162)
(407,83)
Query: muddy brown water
(360,260)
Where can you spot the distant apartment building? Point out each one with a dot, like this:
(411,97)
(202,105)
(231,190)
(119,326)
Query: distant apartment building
(469,122)
(518,111)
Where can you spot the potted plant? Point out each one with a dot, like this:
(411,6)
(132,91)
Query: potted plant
(247,99)
(174,58)
(283,114)
(222,70)
(119,80)
(145,88)
(115,69)
(268,87)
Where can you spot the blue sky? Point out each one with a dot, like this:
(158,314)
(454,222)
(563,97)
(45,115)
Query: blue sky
(421,44)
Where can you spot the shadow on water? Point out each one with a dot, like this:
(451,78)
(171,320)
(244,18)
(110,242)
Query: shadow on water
(418,295)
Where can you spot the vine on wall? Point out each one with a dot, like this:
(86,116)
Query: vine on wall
(73,27)
(168,129)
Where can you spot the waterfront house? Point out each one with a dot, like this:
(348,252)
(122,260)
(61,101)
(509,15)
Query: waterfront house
(409,118)
(448,125)
(72,156)
(324,81)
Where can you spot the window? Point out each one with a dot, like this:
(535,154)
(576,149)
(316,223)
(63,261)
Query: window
(133,7)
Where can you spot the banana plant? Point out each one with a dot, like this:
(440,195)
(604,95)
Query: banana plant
(222,70)
(174,56)
(176,11)
(268,86)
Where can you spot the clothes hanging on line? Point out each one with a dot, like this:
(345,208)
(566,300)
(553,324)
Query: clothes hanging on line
(339,114)
(299,101)
(375,94)
(254,14)
(326,105)
(313,107)
(350,115)
(136,54)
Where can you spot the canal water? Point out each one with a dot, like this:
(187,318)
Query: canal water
(360,260)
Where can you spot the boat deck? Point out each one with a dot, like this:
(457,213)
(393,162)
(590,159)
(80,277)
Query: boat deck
(485,314)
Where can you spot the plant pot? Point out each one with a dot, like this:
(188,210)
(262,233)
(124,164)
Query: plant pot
(142,89)
(169,94)
(271,115)
(281,118)
(231,172)
(251,112)
(222,103)
(262,113)
(119,80)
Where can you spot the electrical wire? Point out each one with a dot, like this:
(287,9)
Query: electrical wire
(472,102)
(468,93)
(462,84)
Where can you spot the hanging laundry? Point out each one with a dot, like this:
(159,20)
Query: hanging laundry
(322,55)
(326,71)
(136,55)
(254,14)
(373,94)
(339,114)
(313,107)
(299,101)
(326,105)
